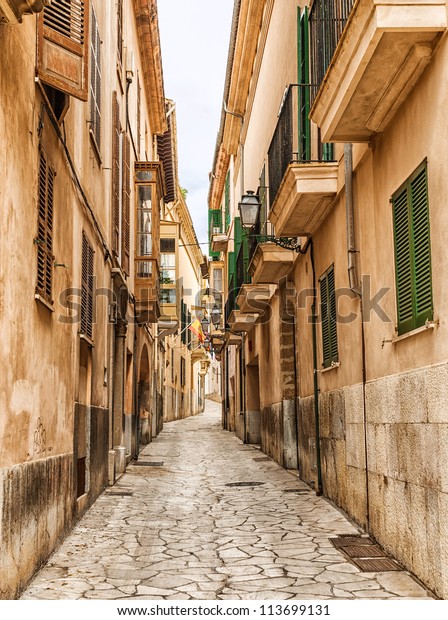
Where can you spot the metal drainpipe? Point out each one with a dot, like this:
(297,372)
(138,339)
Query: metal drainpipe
(319,488)
(135,394)
(356,288)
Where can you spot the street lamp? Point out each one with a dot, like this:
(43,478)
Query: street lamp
(249,208)
(215,316)
(205,325)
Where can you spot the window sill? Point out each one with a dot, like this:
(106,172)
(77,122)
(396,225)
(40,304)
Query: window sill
(87,340)
(95,147)
(430,326)
(333,366)
(44,302)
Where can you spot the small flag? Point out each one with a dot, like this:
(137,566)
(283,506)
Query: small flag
(196,328)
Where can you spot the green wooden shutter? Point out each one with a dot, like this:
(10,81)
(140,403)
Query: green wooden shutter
(403,273)
(412,252)
(328,314)
(326,344)
(422,248)
(303,63)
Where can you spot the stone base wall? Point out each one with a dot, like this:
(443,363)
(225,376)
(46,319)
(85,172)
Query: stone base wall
(342,448)
(36,510)
(408,470)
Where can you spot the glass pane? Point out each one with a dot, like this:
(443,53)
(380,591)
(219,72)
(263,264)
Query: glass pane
(167,245)
(168,276)
(144,269)
(144,221)
(144,196)
(144,176)
(168,296)
(168,260)
(144,247)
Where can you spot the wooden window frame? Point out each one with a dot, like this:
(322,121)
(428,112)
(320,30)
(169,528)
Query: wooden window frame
(412,251)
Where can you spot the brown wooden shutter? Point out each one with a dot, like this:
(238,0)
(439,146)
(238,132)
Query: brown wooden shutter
(116,134)
(87,288)
(44,240)
(95,81)
(63,43)
(126,217)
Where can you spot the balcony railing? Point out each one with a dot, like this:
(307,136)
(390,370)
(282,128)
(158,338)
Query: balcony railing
(292,140)
(327,21)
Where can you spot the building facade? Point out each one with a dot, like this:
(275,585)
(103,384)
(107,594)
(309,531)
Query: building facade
(87,178)
(334,299)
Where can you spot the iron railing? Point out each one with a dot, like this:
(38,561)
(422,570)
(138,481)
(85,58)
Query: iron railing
(291,142)
(327,21)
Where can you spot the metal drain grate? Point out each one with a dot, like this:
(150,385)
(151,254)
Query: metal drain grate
(298,491)
(259,459)
(244,484)
(148,463)
(364,553)
(119,493)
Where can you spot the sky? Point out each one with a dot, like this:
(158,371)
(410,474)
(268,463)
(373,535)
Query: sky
(194,37)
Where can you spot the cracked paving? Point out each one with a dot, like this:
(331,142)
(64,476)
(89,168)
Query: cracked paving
(178,532)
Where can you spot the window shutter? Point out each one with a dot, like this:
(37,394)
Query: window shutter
(44,239)
(116,134)
(403,262)
(422,248)
(87,288)
(63,35)
(329,315)
(126,218)
(333,316)
(326,346)
(95,81)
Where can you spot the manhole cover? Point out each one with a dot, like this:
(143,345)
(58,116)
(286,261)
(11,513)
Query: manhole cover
(148,463)
(377,565)
(364,553)
(262,458)
(345,540)
(244,484)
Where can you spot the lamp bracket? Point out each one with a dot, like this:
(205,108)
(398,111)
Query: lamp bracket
(289,243)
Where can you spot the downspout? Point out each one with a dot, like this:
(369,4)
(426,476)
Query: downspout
(357,289)
(135,393)
(314,317)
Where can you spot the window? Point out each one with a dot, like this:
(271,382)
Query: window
(168,296)
(139,115)
(328,316)
(62,50)
(126,202)
(413,252)
(95,82)
(182,371)
(304,86)
(87,288)
(44,239)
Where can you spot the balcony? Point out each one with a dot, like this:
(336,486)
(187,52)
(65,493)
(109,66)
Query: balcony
(242,322)
(147,290)
(303,177)
(270,263)
(253,298)
(219,242)
(381,53)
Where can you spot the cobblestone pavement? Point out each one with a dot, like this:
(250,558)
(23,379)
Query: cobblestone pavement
(178,532)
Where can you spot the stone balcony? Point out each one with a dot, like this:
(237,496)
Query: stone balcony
(385,47)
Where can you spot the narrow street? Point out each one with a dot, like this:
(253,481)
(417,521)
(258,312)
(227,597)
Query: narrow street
(178,531)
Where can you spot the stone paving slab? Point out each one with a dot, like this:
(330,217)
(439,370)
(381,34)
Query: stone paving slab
(183,534)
